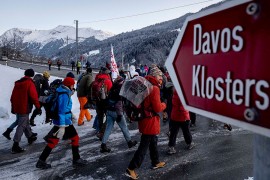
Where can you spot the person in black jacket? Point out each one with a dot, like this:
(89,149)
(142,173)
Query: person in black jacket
(42,86)
(72,65)
(115,113)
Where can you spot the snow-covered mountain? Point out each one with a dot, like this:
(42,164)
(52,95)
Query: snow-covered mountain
(44,42)
(60,32)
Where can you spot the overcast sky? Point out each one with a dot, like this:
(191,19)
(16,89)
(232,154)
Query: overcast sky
(48,14)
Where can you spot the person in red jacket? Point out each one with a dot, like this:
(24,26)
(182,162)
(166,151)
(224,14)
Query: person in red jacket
(23,96)
(179,119)
(149,127)
(103,75)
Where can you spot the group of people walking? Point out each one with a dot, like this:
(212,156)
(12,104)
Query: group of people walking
(103,95)
(75,66)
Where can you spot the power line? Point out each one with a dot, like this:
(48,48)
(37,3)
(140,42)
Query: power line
(140,14)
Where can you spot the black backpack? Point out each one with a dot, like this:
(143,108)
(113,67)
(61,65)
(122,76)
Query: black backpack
(113,95)
(54,85)
(134,113)
(52,103)
(38,78)
(52,100)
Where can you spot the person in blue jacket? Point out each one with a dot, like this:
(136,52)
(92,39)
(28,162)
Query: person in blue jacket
(63,127)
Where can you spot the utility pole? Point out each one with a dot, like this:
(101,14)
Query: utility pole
(67,40)
(14,45)
(68,57)
(76,21)
(123,61)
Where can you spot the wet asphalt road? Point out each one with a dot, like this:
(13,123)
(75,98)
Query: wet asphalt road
(218,154)
(39,68)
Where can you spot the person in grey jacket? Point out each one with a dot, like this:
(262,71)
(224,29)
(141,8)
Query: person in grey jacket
(115,113)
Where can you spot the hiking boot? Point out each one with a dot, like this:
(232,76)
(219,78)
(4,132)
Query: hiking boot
(190,146)
(16,148)
(104,148)
(131,143)
(80,162)
(159,165)
(31,139)
(131,173)
(81,124)
(7,133)
(42,165)
(227,126)
(90,118)
(46,138)
(47,120)
(171,151)
(32,124)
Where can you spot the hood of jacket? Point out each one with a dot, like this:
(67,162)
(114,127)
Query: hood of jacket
(152,80)
(102,76)
(64,89)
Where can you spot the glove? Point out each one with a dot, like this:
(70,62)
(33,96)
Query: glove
(60,133)
(38,110)
(119,118)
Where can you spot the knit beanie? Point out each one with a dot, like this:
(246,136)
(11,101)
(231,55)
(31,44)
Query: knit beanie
(70,74)
(46,74)
(29,72)
(68,81)
(154,71)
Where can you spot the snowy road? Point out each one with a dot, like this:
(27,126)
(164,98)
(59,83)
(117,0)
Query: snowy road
(218,154)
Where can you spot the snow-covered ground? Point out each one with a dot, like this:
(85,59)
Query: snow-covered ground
(8,76)
(25,167)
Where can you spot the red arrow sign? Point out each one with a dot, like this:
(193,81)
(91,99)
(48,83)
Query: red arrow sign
(220,63)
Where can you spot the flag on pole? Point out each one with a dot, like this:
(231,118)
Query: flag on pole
(114,68)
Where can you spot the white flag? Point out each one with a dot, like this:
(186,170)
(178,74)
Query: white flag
(114,68)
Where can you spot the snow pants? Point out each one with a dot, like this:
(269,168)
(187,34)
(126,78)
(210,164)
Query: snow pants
(147,141)
(83,112)
(174,129)
(70,133)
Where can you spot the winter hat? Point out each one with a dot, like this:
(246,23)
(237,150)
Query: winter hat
(154,71)
(105,70)
(29,72)
(68,81)
(46,74)
(70,74)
